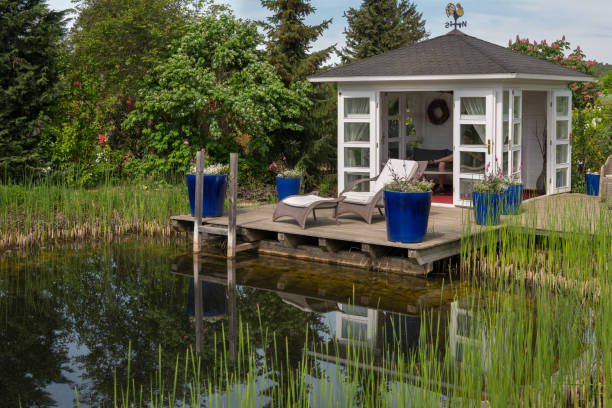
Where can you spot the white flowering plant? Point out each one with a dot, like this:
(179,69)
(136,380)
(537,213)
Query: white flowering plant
(515,178)
(210,169)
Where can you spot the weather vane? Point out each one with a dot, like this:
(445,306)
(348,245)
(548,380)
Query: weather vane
(454,11)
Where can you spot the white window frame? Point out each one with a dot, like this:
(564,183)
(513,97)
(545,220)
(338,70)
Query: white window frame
(372,144)
(488,148)
(553,142)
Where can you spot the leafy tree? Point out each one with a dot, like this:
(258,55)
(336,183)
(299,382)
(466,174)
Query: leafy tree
(558,52)
(379,26)
(113,45)
(30,36)
(215,90)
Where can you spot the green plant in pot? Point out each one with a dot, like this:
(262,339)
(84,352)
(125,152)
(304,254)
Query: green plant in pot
(486,196)
(407,206)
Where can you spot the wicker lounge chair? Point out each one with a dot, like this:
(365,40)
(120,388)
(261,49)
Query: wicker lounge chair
(605,181)
(299,206)
(363,203)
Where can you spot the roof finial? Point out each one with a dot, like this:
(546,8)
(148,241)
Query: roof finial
(454,11)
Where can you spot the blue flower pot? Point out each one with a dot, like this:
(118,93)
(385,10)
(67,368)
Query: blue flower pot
(213,194)
(486,208)
(286,187)
(406,215)
(592,182)
(512,199)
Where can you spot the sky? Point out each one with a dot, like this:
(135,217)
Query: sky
(585,23)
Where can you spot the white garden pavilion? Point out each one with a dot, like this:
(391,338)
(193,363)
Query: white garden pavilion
(502,106)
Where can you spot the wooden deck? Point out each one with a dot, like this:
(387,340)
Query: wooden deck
(354,242)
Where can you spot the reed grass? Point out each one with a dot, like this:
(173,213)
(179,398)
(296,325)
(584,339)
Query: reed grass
(538,333)
(42,213)
(535,332)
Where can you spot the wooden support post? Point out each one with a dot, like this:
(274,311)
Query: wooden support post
(197,221)
(231,219)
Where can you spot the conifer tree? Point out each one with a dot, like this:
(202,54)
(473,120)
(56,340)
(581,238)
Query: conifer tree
(289,39)
(288,44)
(30,36)
(379,26)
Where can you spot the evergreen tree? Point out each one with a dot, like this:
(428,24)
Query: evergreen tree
(289,39)
(30,36)
(379,26)
(288,44)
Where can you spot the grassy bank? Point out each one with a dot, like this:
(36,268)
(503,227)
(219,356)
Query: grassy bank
(39,214)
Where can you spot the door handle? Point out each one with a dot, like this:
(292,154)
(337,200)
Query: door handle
(489,146)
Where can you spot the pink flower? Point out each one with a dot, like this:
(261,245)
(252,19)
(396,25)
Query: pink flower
(599,93)
(563,38)
(190,160)
(284,158)
(207,157)
(520,167)
(418,174)
(203,149)
(574,67)
(274,164)
(529,48)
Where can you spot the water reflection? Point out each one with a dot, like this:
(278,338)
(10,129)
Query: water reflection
(102,302)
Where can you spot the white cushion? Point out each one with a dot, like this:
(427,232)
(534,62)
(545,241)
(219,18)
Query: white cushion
(363,198)
(400,168)
(358,197)
(608,175)
(304,200)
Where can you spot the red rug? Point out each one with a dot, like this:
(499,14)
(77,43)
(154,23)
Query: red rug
(442,199)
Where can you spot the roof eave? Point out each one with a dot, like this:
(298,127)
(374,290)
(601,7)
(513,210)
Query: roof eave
(456,77)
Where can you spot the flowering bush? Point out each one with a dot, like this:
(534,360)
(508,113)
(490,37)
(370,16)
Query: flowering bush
(282,169)
(558,52)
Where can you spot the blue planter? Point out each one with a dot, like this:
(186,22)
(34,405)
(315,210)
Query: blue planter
(512,199)
(213,194)
(407,215)
(286,187)
(592,182)
(486,208)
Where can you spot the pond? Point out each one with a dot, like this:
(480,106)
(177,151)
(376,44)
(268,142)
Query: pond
(77,322)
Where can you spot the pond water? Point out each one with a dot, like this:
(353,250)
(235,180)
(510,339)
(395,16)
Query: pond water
(71,317)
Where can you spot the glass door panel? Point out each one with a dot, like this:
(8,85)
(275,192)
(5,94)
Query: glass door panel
(473,145)
(356,137)
(559,156)
(512,133)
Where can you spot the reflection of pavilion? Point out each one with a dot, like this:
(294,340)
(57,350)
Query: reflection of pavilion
(467,333)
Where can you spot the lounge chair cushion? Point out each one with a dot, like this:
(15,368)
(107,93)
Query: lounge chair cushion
(304,200)
(358,197)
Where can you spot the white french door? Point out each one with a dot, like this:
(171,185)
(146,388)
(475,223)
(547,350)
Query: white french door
(357,141)
(512,132)
(399,125)
(472,141)
(559,149)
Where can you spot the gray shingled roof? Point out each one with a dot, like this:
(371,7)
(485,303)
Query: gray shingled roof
(454,53)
